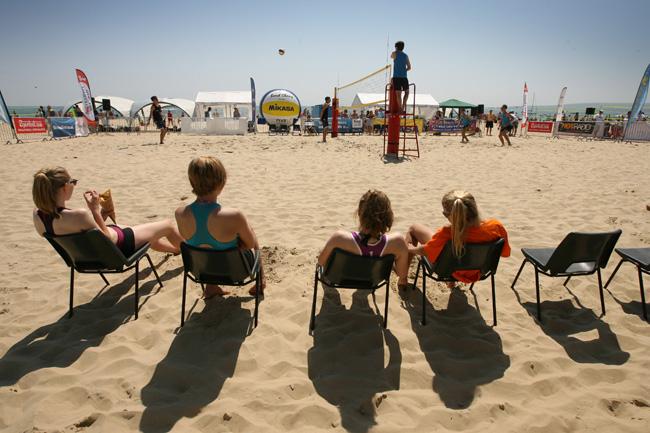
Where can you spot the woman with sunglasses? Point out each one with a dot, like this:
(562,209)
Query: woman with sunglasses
(53,187)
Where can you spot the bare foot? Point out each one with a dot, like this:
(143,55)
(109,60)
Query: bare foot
(212,290)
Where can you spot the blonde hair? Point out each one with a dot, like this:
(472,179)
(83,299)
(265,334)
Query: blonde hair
(47,182)
(206,174)
(460,207)
(375,213)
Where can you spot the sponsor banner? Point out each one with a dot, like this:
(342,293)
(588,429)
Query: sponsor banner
(254,113)
(576,128)
(640,98)
(4,111)
(357,125)
(546,127)
(446,125)
(524,113)
(63,127)
(560,105)
(30,125)
(86,97)
(81,127)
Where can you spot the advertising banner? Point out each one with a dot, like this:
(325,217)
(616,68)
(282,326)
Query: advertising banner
(576,128)
(524,113)
(546,127)
(560,106)
(444,125)
(86,97)
(254,109)
(4,111)
(30,125)
(81,127)
(639,100)
(63,127)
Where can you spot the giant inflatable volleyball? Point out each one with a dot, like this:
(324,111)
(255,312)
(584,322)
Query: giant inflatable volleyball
(280,107)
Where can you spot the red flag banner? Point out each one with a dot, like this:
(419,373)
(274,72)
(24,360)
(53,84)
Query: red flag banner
(540,127)
(30,125)
(86,98)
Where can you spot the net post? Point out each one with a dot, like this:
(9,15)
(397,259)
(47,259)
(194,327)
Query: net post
(393,122)
(335,115)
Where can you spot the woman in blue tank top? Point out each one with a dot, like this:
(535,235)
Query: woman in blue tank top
(204,223)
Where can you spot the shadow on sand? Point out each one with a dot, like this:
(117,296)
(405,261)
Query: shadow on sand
(201,358)
(562,320)
(346,362)
(464,352)
(61,343)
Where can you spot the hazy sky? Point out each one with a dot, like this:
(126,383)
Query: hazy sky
(477,51)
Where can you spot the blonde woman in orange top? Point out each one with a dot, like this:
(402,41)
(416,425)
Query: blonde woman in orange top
(466,226)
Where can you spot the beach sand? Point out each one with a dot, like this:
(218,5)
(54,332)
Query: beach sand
(102,371)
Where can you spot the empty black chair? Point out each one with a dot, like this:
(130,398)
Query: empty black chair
(483,257)
(225,268)
(640,257)
(345,270)
(91,252)
(577,254)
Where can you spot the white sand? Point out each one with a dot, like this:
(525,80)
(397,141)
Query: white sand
(104,371)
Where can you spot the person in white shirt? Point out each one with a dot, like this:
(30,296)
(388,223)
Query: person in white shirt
(599,126)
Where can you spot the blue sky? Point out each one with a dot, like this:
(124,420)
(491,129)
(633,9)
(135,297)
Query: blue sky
(478,51)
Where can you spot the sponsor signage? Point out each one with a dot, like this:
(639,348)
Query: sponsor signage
(63,127)
(577,128)
(86,97)
(546,127)
(447,125)
(30,125)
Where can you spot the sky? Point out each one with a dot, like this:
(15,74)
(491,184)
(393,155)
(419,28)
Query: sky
(476,51)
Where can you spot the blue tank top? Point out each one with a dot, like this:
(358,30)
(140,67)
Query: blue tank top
(202,236)
(399,64)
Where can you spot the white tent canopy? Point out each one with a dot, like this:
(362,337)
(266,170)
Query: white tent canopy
(223,103)
(119,104)
(425,104)
(185,105)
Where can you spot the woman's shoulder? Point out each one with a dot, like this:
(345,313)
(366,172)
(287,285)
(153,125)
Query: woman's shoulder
(492,225)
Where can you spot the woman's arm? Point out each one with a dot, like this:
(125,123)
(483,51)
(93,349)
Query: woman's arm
(333,242)
(246,234)
(92,201)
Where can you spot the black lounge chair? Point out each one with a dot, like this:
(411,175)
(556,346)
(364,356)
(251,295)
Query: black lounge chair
(225,268)
(91,252)
(345,270)
(482,257)
(577,254)
(640,257)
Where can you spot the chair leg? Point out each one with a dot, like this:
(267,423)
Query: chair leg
(153,268)
(137,287)
(258,289)
(71,291)
(611,277)
(566,281)
(424,298)
(183,298)
(386,307)
(645,314)
(104,278)
(312,319)
(521,268)
(417,273)
(600,289)
(539,308)
(471,286)
(494,302)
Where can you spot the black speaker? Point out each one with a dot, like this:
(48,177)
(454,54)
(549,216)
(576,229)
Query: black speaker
(481,108)
(106,105)
(473,111)
(590,110)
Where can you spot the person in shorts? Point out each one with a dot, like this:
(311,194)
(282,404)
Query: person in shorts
(505,125)
(323,117)
(156,114)
(489,122)
(400,82)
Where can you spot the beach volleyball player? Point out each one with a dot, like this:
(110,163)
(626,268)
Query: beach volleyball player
(400,82)
(156,113)
(323,117)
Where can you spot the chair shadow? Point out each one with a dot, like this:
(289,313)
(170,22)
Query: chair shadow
(562,319)
(633,308)
(61,343)
(201,358)
(346,362)
(463,351)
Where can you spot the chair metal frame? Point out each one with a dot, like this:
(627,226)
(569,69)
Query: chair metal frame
(114,263)
(446,264)
(557,266)
(325,275)
(627,255)
(253,272)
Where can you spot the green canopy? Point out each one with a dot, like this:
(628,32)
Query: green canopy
(455,103)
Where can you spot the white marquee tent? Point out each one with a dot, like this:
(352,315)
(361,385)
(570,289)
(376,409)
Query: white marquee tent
(185,105)
(223,103)
(119,104)
(425,104)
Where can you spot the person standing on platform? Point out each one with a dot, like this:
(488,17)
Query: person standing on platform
(156,113)
(400,82)
(505,125)
(324,112)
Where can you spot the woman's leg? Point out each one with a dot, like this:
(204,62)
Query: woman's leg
(418,234)
(153,232)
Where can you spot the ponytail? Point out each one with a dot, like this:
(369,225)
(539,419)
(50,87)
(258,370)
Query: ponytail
(460,207)
(47,182)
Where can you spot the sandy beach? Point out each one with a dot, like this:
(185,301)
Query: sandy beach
(103,371)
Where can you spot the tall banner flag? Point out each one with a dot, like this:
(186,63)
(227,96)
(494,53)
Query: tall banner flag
(253,105)
(639,101)
(560,106)
(86,97)
(524,113)
(4,115)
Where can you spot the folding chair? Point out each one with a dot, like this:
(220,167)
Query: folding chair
(577,254)
(225,268)
(483,258)
(91,252)
(640,257)
(345,270)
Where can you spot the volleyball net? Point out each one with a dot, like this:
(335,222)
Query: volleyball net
(365,92)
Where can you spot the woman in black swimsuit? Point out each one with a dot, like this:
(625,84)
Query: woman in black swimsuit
(156,114)
(53,187)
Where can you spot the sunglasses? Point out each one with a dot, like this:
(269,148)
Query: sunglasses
(73,181)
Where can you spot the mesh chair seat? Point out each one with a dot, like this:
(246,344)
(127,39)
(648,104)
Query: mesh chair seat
(541,257)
